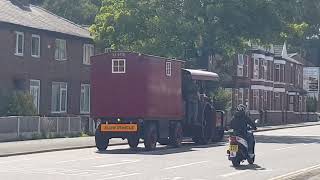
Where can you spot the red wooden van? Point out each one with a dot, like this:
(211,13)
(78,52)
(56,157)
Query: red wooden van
(137,96)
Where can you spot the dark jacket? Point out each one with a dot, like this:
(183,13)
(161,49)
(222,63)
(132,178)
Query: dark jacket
(240,121)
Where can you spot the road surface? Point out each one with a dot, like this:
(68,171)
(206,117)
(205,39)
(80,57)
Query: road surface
(280,153)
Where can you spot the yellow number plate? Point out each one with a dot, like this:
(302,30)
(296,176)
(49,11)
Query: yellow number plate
(233,148)
(119,127)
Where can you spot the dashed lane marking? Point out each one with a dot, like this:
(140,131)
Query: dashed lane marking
(184,165)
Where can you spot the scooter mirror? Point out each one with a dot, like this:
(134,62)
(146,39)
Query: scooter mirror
(257,121)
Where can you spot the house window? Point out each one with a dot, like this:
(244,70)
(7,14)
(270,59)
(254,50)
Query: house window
(277,73)
(240,96)
(255,99)
(59,97)
(292,73)
(256,69)
(35,93)
(236,97)
(35,46)
(298,76)
(118,66)
(240,65)
(88,51)
(168,68)
(85,99)
(291,103)
(265,100)
(300,103)
(19,43)
(282,73)
(61,50)
(247,98)
(276,101)
(265,69)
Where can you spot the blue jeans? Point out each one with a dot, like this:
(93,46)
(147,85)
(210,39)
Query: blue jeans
(251,142)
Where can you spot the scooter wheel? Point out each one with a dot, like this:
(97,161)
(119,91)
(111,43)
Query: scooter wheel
(235,162)
(251,160)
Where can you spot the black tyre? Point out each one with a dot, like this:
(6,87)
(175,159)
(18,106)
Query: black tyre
(235,162)
(207,128)
(251,160)
(133,141)
(150,136)
(176,135)
(101,140)
(163,141)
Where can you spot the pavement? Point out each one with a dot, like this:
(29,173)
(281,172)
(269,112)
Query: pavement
(61,144)
(280,154)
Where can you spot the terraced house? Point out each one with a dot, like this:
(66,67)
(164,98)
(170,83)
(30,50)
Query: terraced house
(270,83)
(45,55)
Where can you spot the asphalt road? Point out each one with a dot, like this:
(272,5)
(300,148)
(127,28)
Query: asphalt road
(280,153)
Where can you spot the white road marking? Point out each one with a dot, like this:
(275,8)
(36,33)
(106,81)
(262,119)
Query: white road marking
(234,173)
(184,165)
(75,160)
(290,147)
(296,173)
(121,176)
(117,164)
(17,160)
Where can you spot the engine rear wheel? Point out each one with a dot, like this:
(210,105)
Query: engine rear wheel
(133,141)
(176,135)
(101,140)
(150,136)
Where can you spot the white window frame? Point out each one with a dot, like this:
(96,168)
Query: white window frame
(38,88)
(88,51)
(256,99)
(256,68)
(39,45)
(168,68)
(265,68)
(265,99)
(236,97)
(17,43)
(246,101)
(277,67)
(59,49)
(83,93)
(240,96)
(61,89)
(118,67)
(300,103)
(240,65)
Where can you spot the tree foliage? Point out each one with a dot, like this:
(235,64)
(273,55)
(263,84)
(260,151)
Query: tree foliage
(20,104)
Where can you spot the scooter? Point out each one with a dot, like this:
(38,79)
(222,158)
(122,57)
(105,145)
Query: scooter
(238,149)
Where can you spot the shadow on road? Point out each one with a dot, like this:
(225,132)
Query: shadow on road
(287,139)
(163,150)
(250,167)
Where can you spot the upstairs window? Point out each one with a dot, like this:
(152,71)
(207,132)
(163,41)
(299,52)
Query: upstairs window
(35,46)
(88,51)
(168,68)
(61,50)
(118,66)
(240,65)
(19,43)
(256,69)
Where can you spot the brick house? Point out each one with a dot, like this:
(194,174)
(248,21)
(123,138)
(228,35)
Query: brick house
(45,55)
(270,82)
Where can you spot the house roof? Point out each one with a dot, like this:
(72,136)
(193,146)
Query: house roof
(36,17)
(203,75)
(281,51)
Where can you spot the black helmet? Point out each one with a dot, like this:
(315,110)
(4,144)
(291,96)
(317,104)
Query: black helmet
(241,108)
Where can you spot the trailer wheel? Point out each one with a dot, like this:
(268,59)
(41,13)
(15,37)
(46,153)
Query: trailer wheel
(176,135)
(163,141)
(133,141)
(101,140)
(150,136)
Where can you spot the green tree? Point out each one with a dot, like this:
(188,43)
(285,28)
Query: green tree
(78,11)
(20,104)
(221,99)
